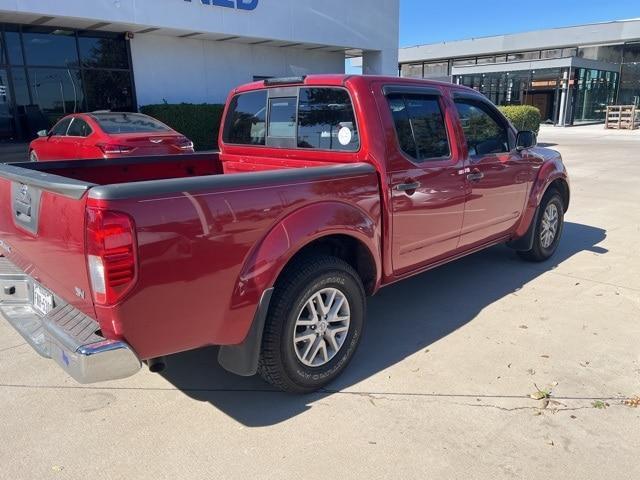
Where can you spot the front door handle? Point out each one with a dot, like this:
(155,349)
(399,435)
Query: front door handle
(475,176)
(408,187)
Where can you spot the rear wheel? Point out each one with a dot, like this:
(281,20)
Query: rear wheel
(549,228)
(33,156)
(314,325)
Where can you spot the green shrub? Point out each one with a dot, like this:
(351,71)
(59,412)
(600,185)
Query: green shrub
(523,117)
(201,123)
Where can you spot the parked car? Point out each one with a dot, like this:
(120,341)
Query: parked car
(107,135)
(325,189)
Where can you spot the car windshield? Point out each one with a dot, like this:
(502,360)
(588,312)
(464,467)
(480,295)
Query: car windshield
(114,123)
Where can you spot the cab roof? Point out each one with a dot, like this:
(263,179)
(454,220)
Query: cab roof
(340,80)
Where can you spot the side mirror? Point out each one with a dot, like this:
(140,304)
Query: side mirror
(43,133)
(526,139)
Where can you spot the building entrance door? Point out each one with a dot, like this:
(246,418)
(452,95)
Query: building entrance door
(543,101)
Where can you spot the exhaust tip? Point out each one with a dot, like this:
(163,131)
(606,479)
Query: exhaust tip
(157,365)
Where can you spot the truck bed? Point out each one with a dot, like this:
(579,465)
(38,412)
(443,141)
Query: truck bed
(132,169)
(201,236)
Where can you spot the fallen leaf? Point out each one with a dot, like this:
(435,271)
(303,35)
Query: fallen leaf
(633,402)
(544,356)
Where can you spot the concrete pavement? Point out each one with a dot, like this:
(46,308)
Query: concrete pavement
(440,387)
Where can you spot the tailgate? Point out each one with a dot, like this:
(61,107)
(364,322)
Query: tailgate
(42,225)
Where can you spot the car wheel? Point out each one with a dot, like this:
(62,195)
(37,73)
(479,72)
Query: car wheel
(548,230)
(33,156)
(314,325)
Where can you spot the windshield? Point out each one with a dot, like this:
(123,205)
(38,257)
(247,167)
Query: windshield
(114,123)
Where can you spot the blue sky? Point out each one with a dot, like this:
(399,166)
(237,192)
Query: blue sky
(430,21)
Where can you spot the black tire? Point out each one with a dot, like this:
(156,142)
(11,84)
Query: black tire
(539,252)
(279,363)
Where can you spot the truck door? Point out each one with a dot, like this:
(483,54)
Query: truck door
(425,176)
(497,175)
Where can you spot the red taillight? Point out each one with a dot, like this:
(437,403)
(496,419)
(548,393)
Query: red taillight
(113,149)
(111,254)
(183,143)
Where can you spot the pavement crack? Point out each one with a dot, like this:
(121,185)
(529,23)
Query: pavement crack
(13,347)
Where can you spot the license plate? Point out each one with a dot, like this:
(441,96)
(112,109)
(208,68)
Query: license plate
(42,300)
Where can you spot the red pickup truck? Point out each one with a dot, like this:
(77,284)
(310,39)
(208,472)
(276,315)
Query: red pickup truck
(325,189)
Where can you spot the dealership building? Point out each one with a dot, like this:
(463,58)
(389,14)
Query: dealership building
(65,56)
(571,74)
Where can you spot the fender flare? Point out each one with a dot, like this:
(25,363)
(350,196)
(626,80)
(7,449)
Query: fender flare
(524,236)
(270,257)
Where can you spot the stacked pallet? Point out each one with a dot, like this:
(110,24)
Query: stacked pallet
(622,117)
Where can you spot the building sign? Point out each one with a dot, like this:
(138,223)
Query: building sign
(237,4)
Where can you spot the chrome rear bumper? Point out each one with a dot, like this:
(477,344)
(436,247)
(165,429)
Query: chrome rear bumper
(65,335)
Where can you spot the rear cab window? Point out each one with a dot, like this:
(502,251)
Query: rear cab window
(305,118)
(118,123)
(245,123)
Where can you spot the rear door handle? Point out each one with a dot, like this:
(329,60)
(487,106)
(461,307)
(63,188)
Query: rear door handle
(408,187)
(475,176)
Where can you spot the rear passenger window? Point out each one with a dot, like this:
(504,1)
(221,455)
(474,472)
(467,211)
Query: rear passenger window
(326,120)
(420,126)
(79,128)
(246,121)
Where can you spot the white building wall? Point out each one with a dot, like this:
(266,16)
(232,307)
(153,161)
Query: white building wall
(367,25)
(203,71)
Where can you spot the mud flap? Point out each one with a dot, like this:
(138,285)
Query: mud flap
(243,359)
(525,243)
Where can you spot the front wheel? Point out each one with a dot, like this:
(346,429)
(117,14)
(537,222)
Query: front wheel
(549,229)
(314,325)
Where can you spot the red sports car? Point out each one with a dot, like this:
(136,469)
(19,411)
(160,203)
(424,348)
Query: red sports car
(107,135)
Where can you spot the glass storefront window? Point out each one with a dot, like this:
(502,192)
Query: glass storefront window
(20,87)
(61,72)
(594,91)
(108,90)
(14,46)
(6,112)
(458,62)
(47,47)
(554,53)
(610,53)
(411,70)
(484,60)
(520,56)
(105,52)
(57,92)
(630,76)
(436,69)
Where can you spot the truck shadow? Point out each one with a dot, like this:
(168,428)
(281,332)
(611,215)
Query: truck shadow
(423,310)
